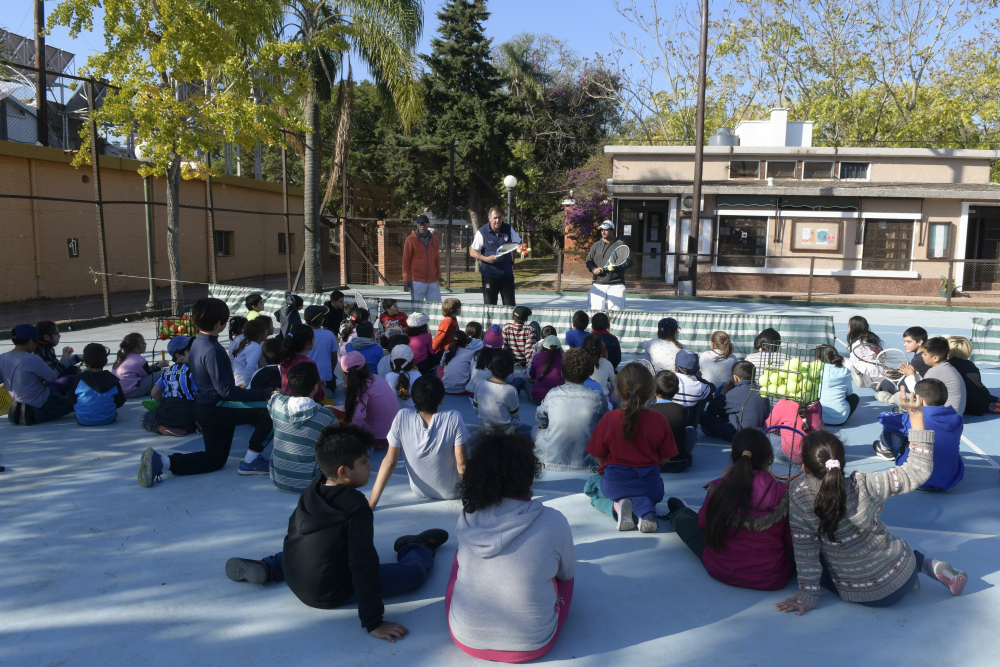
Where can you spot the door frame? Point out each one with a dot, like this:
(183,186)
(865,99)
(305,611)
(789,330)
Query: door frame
(671,204)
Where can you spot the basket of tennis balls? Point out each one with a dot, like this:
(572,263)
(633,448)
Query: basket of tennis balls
(795,380)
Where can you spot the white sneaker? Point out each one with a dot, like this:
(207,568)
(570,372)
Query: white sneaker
(648,525)
(883,397)
(624,509)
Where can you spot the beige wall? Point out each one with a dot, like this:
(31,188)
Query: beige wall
(35,232)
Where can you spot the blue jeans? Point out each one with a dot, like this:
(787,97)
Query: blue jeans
(518,383)
(643,486)
(897,442)
(55,406)
(415,562)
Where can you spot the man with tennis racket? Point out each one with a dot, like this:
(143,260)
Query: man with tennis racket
(492,246)
(607,260)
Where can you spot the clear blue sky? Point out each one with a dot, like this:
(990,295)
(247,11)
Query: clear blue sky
(584,24)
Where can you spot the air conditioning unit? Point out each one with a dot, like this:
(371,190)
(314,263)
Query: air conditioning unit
(688,200)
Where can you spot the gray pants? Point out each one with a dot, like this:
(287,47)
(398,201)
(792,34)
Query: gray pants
(144,386)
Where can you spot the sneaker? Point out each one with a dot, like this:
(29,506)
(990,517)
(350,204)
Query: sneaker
(883,396)
(150,404)
(674,504)
(994,407)
(624,509)
(431,538)
(14,414)
(954,579)
(150,468)
(259,466)
(883,451)
(166,430)
(252,571)
(648,524)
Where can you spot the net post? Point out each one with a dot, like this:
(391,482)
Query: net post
(951,277)
(812,267)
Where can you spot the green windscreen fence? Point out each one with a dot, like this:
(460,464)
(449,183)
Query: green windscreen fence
(985,339)
(631,326)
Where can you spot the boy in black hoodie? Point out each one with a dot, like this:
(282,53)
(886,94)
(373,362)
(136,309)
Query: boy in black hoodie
(329,556)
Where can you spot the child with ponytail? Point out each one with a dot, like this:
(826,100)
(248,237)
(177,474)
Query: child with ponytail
(717,362)
(246,356)
(134,374)
(459,362)
(369,400)
(294,347)
(546,369)
(741,533)
(840,542)
(630,444)
(402,375)
(807,419)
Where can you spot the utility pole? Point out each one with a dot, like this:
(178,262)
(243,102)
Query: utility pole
(102,245)
(451,211)
(147,192)
(699,146)
(288,232)
(40,96)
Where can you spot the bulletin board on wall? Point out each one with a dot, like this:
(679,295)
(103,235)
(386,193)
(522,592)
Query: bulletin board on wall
(817,235)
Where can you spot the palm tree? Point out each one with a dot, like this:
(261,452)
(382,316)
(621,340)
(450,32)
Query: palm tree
(383,34)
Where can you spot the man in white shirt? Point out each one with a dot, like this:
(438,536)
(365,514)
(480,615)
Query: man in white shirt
(497,272)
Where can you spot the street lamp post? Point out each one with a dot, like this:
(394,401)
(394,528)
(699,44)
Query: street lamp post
(510,183)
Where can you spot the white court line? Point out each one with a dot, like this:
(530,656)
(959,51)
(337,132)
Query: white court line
(972,446)
(942,532)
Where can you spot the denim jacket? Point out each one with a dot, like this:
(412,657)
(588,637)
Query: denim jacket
(567,418)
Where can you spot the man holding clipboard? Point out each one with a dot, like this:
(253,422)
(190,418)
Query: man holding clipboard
(493,246)
(607,260)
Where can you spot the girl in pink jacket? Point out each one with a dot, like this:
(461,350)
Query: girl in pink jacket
(806,419)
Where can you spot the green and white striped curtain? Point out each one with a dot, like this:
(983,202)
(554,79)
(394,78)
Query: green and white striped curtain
(985,339)
(631,326)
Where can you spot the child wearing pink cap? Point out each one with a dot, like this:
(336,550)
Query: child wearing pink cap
(370,402)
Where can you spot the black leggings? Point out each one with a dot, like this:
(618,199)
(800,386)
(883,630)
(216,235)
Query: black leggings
(852,401)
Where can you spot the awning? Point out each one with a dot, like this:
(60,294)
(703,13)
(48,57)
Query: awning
(742,201)
(820,203)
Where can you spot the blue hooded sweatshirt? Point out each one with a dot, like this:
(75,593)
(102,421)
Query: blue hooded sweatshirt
(949,469)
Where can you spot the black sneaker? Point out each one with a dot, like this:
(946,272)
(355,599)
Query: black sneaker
(252,571)
(883,451)
(674,504)
(431,538)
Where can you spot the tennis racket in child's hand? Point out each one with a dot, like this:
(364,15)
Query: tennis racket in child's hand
(618,257)
(890,365)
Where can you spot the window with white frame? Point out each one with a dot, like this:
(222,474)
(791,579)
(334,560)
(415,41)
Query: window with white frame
(742,241)
(781,169)
(817,170)
(744,169)
(937,239)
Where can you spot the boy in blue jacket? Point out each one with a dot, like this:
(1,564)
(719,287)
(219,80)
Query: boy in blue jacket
(96,394)
(737,405)
(947,424)
(212,374)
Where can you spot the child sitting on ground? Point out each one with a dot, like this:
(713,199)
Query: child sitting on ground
(717,362)
(505,537)
(806,419)
(480,369)
(236,326)
(935,352)
(96,394)
(949,469)
(766,348)
(288,315)
(389,343)
(364,343)
(329,557)
(864,348)
(913,342)
(568,416)
(171,405)
(978,399)
(65,366)
(836,395)
(496,401)
(268,376)
(324,350)
(840,540)
(26,375)
(603,376)
(547,331)
(369,401)
(737,405)
(433,442)
(741,533)
(422,343)
(246,355)
(402,375)
(451,309)
(575,336)
(391,317)
(693,393)
(475,330)
(136,375)
(662,352)
(519,335)
(459,362)
(600,325)
(546,369)
(295,347)
(255,305)
(298,422)
(685,435)
(212,377)
(630,444)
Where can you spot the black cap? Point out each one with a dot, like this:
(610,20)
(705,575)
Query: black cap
(422,220)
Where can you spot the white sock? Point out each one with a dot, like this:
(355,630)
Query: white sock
(251,456)
(165,460)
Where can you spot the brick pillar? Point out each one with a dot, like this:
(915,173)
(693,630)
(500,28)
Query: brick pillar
(380,233)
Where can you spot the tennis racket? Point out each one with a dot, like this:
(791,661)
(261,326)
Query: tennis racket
(359,300)
(888,362)
(642,362)
(618,257)
(507,248)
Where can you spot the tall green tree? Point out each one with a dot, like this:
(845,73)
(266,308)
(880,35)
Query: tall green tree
(188,77)
(466,102)
(383,34)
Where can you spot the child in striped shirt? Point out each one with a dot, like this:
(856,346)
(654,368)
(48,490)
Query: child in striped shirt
(298,421)
(519,336)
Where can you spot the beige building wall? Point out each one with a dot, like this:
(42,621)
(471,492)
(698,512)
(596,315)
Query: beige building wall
(35,254)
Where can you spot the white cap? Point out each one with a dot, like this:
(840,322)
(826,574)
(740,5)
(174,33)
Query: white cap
(416,320)
(607,224)
(401,352)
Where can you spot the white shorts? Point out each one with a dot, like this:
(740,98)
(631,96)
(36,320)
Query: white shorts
(425,291)
(607,297)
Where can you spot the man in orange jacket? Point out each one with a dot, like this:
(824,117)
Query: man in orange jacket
(422,262)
